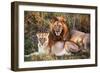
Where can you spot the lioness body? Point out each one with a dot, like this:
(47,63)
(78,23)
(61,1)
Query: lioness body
(80,38)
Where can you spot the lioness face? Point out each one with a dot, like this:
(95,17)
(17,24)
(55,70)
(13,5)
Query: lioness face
(58,28)
(42,38)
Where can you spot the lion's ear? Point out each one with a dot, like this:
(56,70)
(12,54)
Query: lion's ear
(54,19)
(62,19)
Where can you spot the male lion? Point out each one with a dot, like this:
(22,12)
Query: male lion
(59,33)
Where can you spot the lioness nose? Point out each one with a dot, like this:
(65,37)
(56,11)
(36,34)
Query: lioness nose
(42,40)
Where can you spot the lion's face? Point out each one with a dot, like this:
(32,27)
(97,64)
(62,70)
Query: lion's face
(57,25)
(58,28)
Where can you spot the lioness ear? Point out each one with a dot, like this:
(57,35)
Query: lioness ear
(47,34)
(37,34)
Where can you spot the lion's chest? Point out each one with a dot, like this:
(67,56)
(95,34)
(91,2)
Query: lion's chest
(58,48)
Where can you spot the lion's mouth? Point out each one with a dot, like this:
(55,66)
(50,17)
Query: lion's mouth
(57,33)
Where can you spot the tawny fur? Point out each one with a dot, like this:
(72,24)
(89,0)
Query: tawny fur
(58,25)
(43,41)
(80,38)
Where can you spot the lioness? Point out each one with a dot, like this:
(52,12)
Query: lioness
(80,38)
(43,42)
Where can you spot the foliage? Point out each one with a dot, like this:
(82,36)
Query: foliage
(28,46)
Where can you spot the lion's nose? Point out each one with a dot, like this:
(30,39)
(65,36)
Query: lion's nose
(58,31)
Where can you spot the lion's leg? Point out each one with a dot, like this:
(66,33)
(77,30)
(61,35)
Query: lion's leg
(66,47)
(71,47)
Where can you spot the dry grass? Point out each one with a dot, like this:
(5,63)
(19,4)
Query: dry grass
(85,54)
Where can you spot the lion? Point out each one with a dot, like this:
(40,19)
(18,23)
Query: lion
(59,33)
(59,30)
(80,38)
